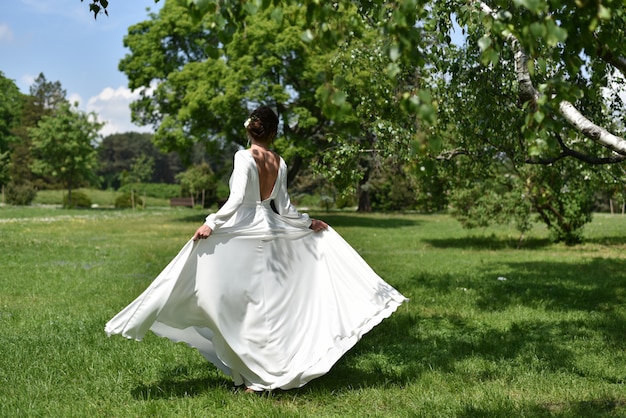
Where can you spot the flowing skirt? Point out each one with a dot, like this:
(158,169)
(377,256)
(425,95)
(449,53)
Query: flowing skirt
(273,310)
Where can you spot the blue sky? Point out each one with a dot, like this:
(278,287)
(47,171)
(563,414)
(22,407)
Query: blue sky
(61,39)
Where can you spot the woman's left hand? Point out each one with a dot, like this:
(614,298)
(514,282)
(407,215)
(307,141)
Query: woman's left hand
(317,225)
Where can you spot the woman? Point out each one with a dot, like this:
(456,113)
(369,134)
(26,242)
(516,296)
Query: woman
(270,296)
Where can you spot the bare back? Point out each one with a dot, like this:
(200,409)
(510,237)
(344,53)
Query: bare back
(267,164)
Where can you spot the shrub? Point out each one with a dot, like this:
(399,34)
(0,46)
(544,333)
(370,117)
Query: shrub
(125,201)
(158,190)
(79,200)
(21,194)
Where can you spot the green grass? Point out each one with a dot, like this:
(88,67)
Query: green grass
(490,331)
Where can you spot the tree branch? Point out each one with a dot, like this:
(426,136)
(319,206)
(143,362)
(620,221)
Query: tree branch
(568,152)
(450,154)
(528,93)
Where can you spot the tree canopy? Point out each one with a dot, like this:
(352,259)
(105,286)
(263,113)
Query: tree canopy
(562,52)
(10,112)
(64,146)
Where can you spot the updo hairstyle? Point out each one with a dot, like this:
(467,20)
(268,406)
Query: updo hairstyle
(262,124)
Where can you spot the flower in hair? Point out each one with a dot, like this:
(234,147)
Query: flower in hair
(247,122)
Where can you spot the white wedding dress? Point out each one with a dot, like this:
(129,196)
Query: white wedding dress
(264,298)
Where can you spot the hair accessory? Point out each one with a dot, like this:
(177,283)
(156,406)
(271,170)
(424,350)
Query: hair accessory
(247,122)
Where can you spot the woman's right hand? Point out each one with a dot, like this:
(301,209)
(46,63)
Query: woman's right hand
(203,232)
(317,225)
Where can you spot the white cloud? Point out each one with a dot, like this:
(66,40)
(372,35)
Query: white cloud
(6,35)
(112,107)
(66,8)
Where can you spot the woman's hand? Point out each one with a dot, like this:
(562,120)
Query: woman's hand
(317,225)
(203,232)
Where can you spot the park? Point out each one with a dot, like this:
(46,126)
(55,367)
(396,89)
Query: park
(472,152)
(490,330)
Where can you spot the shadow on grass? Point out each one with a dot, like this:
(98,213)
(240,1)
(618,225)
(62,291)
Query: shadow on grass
(366,221)
(343,221)
(609,241)
(596,285)
(588,409)
(489,243)
(493,242)
(176,383)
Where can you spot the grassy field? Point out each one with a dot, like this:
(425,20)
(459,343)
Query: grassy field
(490,331)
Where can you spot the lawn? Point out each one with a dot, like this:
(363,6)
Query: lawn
(492,330)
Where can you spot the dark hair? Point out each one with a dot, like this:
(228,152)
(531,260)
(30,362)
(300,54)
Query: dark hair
(263,124)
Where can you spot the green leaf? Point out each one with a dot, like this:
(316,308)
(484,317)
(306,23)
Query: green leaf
(338,98)
(307,36)
(534,6)
(394,53)
(538,29)
(393,69)
(277,14)
(555,33)
(484,43)
(489,56)
(604,12)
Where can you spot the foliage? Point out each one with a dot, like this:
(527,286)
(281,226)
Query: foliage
(493,174)
(432,184)
(548,65)
(268,63)
(497,332)
(21,194)
(79,200)
(10,110)
(117,152)
(200,183)
(158,190)
(141,169)
(129,200)
(45,97)
(392,189)
(64,145)
(204,98)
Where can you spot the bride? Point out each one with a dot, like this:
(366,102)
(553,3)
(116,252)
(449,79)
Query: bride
(267,294)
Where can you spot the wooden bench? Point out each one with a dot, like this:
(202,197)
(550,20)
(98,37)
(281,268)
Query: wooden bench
(182,201)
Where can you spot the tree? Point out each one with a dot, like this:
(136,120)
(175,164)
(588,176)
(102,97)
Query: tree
(10,111)
(64,145)
(202,98)
(141,170)
(44,98)
(199,182)
(117,152)
(47,95)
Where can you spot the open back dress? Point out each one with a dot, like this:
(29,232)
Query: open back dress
(264,298)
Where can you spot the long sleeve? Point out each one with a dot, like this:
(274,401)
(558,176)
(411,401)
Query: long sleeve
(283,205)
(238,182)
